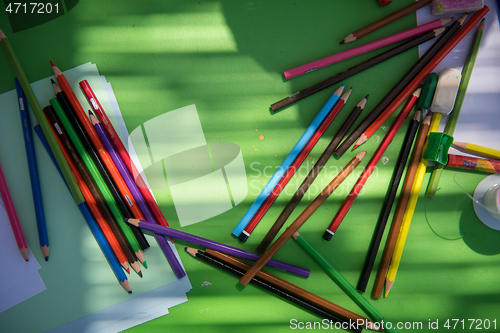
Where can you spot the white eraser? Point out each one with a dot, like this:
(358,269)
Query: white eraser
(446,90)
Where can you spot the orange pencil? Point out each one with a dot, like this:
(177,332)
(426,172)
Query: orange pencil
(122,151)
(94,209)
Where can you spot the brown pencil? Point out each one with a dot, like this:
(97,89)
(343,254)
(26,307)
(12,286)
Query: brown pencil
(385,20)
(292,289)
(401,207)
(285,236)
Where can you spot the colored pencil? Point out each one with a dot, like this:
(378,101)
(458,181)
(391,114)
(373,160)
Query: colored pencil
(386,141)
(100,234)
(13,219)
(43,236)
(478,150)
(124,207)
(295,165)
(292,289)
(89,193)
(428,68)
(42,121)
(311,176)
(405,223)
(105,159)
(455,113)
(314,65)
(136,211)
(280,171)
(274,289)
(386,20)
(401,206)
(197,240)
(342,282)
(473,163)
(122,151)
(88,170)
(310,209)
(388,202)
(400,86)
(405,46)
(105,247)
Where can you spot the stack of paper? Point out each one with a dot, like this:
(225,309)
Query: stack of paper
(21,280)
(82,293)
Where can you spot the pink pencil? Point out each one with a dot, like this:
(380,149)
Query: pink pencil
(14,221)
(312,66)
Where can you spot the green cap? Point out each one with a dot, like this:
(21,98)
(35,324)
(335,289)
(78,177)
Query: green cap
(424,102)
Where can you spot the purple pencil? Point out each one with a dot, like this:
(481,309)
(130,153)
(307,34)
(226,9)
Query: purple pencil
(312,66)
(213,245)
(162,241)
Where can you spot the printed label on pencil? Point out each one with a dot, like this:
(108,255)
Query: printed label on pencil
(58,129)
(95,106)
(128,200)
(311,69)
(204,179)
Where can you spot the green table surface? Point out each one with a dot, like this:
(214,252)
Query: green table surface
(227,58)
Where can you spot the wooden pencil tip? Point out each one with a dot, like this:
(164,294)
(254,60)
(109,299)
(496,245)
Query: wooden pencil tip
(52,64)
(462,18)
(295,235)
(2,35)
(191,251)
(361,155)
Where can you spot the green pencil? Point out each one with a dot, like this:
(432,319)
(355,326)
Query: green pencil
(101,184)
(455,113)
(44,125)
(348,288)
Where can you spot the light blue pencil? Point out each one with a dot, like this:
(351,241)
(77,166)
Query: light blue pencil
(280,171)
(43,236)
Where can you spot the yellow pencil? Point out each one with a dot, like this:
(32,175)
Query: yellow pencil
(477,150)
(408,214)
(405,225)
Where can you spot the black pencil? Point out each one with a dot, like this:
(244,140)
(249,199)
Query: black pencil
(396,90)
(273,289)
(388,202)
(70,113)
(311,176)
(356,69)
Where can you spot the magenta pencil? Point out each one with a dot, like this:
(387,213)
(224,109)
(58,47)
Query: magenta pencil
(14,220)
(312,66)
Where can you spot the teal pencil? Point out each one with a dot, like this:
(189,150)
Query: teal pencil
(43,235)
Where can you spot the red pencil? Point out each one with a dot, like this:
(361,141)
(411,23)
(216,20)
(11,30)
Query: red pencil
(295,165)
(346,205)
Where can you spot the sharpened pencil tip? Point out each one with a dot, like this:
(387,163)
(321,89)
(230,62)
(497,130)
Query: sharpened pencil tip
(366,97)
(52,81)
(52,64)
(342,42)
(191,251)
(46,258)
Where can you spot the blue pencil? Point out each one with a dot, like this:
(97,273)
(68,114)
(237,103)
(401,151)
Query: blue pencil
(105,247)
(287,162)
(33,170)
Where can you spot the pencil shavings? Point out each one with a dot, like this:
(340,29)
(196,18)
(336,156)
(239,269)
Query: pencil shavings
(441,7)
